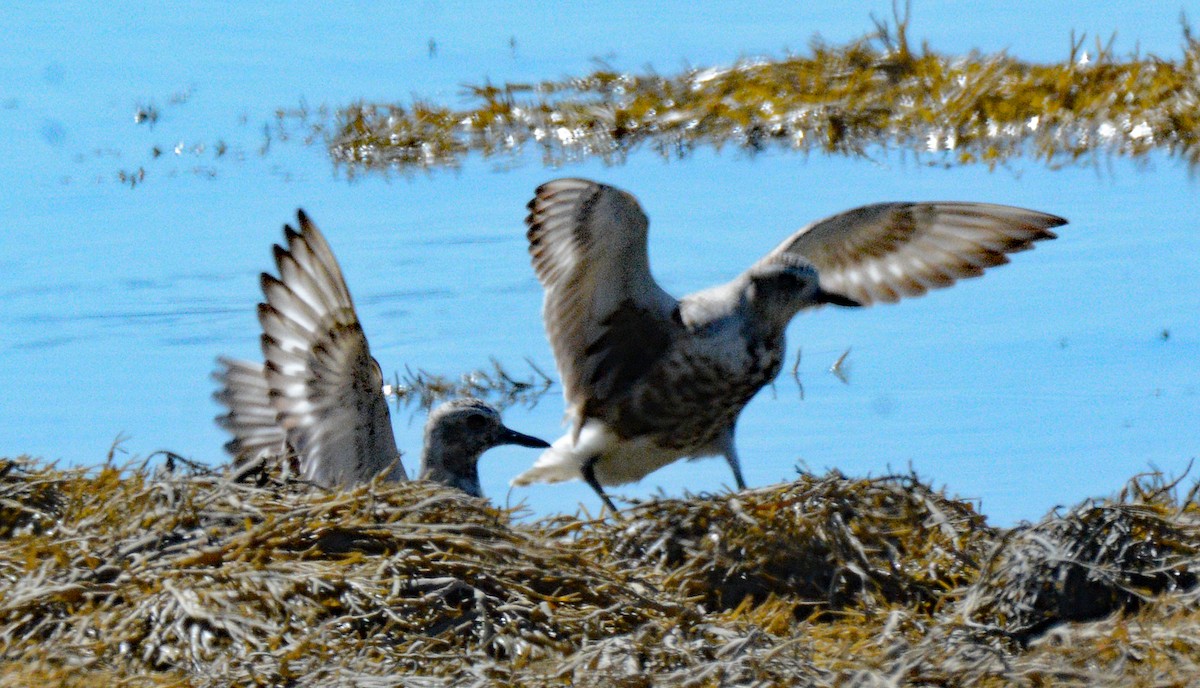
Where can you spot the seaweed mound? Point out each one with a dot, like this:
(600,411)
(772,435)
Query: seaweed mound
(827,543)
(184,575)
(189,572)
(1097,559)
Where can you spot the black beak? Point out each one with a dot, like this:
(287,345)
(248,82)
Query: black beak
(509,436)
(836,299)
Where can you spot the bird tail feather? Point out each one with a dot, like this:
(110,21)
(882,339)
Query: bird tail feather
(555,465)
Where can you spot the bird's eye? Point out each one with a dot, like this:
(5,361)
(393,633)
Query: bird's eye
(476,421)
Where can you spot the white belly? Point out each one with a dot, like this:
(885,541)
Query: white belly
(622,461)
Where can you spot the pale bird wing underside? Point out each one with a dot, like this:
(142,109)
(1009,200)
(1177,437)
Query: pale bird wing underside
(888,251)
(252,419)
(607,319)
(325,386)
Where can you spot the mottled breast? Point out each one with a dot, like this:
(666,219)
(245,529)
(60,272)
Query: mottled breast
(698,389)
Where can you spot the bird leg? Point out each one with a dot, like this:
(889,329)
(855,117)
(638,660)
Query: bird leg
(737,471)
(729,451)
(589,474)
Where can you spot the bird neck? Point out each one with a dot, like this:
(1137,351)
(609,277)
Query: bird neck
(768,315)
(763,317)
(450,464)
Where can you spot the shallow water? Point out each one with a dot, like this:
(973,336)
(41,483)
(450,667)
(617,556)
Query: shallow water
(1047,381)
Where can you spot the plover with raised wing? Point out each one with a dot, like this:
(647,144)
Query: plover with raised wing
(649,379)
(319,395)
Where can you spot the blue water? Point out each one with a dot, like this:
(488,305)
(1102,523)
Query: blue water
(1045,382)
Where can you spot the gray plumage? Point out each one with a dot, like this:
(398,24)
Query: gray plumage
(457,434)
(319,394)
(649,379)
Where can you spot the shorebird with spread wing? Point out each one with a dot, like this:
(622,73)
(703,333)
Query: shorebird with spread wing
(319,395)
(649,379)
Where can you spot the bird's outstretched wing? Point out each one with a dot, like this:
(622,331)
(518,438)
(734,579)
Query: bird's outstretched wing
(325,386)
(252,419)
(607,319)
(887,251)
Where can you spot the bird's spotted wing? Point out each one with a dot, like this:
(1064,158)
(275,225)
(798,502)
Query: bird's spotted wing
(327,389)
(252,419)
(887,251)
(607,319)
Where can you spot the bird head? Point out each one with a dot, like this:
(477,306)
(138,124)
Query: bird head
(782,285)
(465,428)
(457,434)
